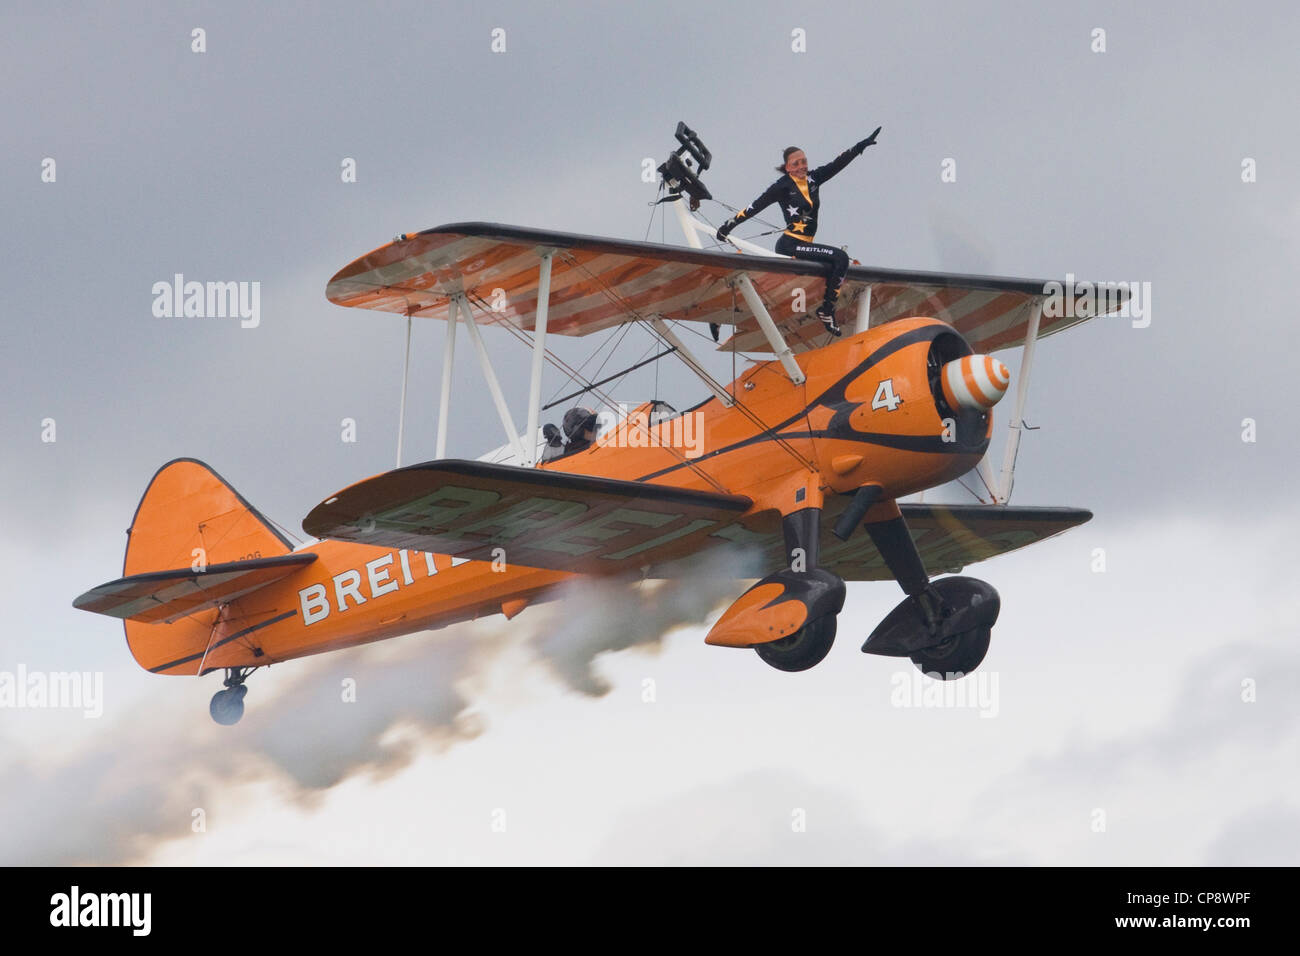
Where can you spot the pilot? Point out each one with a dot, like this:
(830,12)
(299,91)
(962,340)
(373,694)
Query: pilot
(798,193)
(580,428)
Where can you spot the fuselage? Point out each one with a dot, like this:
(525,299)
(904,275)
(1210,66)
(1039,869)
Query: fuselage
(867,413)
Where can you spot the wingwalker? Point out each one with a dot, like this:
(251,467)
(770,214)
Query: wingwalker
(819,437)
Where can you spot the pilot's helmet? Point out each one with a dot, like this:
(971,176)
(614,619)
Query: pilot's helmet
(578,420)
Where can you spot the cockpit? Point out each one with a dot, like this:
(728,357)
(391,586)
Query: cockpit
(581,428)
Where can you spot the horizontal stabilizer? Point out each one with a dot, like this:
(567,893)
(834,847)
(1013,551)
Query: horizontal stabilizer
(525,516)
(166,596)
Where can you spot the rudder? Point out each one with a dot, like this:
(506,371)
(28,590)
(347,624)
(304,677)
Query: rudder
(189,512)
(189,516)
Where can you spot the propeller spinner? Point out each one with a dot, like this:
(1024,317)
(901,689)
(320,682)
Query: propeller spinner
(976,382)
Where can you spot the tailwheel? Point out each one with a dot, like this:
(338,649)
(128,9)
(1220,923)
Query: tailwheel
(803,649)
(956,656)
(227,705)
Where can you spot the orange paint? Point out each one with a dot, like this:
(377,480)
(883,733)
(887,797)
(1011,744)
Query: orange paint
(785,447)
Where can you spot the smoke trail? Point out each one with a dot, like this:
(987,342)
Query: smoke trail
(145,774)
(139,783)
(596,617)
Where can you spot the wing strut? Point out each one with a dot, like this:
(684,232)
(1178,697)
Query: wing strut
(539,352)
(1003,491)
(774,337)
(444,401)
(406,374)
(863,321)
(669,336)
(503,410)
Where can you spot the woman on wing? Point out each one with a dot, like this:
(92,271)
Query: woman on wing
(798,193)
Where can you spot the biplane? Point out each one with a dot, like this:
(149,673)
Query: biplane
(800,464)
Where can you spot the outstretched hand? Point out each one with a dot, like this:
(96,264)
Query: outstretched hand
(869,141)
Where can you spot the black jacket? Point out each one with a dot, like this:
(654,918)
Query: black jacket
(800,211)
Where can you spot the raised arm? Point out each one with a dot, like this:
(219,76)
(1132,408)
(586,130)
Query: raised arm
(823,173)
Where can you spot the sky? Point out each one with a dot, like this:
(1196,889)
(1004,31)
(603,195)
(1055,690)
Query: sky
(1136,706)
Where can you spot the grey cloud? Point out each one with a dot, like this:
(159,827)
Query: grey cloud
(750,820)
(1268,835)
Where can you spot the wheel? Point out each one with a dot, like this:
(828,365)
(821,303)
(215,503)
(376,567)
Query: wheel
(802,649)
(956,657)
(228,705)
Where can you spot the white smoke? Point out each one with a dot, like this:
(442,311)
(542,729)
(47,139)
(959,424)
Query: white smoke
(144,774)
(597,616)
(137,784)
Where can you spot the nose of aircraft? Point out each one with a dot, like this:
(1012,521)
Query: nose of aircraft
(976,382)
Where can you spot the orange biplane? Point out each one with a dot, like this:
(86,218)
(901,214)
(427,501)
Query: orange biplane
(785,464)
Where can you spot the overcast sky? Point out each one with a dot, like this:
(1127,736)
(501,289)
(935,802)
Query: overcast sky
(1118,690)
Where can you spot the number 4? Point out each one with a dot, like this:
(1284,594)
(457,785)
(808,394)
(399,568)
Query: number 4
(885,397)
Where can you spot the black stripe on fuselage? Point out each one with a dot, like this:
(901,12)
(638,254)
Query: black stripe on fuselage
(225,640)
(925,443)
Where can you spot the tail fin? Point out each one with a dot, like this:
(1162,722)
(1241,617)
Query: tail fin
(190,517)
(195,546)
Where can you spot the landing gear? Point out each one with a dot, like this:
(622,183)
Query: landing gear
(820,591)
(944,630)
(955,656)
(943,626)
(227,705)
(803,649)
(788,616)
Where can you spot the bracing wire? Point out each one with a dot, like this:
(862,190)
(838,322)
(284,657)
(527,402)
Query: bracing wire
(600,396)
(753,417)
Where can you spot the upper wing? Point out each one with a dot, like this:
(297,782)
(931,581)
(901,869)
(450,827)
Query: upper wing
(169,595)
(598,283)
(991,314)
(525,516)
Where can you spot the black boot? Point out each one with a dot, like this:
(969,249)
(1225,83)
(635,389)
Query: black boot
(826,312)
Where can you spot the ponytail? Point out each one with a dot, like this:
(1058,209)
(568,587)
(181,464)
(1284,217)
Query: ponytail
(785,157)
